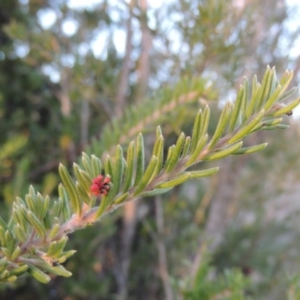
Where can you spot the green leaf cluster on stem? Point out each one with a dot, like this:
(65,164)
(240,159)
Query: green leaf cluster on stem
(34,239)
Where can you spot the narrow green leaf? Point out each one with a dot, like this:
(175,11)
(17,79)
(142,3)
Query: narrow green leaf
(266,85)
(140,159)
(203,173)
(286,80)
(39,205)
(16,253)
(121,198)
(288,94)
(204,121)
(130,167)
(32,192)
(36,224)
(176,181)
(65,255)
(96,166)
(158,132)
(224,152)
(19,270)
(245,100)
(70,188)
(147,176)
(155,192)
(54,231)
(179,145)
(108,167)
(252,104)
(46,205)
(196,130)
(247,129)
(30,203)
(119,168)
(236,110)
(83,178)
(174,153)
(101,208)
(186,146)
(2,237)
(58,270)
(273,98)
(223,121)
(279,126)
(169,164)
(287,109)
(82,193)
(252,149)
(48,220)
(87,164)
(18,216)
(20,233)
(199,148)
(10,241)
(56,247)
(158,151)
(272,122)
(66,208)
(38,274)
(58,207)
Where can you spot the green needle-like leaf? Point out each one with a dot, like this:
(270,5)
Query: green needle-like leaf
(16,253)
(140,159)
(155,192)
(288,94)
(273,98)
(251,108)
(186,146)
(196,130)
(225,152)
(169,164)
(147,176)
(158,151)
(252,149)
(82,193)
(286,80)
(54,231)
(204,121)
(266,87)
(130,167)
(199,148)
(96,166)
(70,188)
(121,198)
(119,168)
(247,129)
(87,164)
(19,270)
(223,121)
(236,110)
(38,274)
(176,181)
(36,224)
(83,178)
(203,173)
(287,109)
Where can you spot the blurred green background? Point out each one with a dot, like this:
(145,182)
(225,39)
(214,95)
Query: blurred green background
(67,68)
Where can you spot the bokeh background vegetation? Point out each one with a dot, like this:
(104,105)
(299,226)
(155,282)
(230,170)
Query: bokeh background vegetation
(68,68)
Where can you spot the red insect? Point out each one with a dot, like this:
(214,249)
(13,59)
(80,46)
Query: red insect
(100,185)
